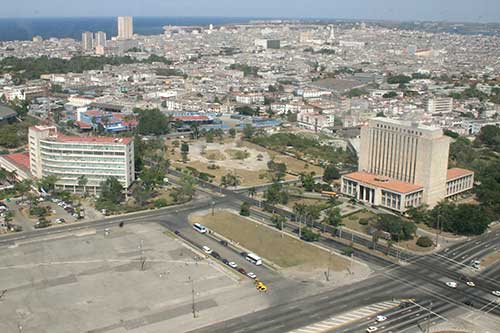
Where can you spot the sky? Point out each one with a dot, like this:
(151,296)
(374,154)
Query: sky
(399,10)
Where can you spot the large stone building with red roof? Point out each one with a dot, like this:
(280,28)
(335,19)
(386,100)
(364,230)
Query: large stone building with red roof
(70,157)
(404,165)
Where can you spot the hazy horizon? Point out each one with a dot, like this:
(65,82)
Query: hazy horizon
(480,11)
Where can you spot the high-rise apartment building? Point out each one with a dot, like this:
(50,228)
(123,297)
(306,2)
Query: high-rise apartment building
(87,41)
(70,157)
(100,39)
(439,105)
(125,27)
(402,165)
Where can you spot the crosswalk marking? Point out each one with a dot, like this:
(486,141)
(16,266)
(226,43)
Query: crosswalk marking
(344,318)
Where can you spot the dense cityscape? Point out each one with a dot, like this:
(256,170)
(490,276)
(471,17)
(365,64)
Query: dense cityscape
(275,175)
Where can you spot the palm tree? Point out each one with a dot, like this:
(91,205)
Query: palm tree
(299,211)
(82,182)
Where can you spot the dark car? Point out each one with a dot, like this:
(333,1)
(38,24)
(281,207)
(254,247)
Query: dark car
(215,255)
(177,232)
(468,303)
(225,261)
(244,254)
(405,305)
(223,242)
(242,271)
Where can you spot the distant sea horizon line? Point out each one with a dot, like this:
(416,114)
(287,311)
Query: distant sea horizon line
(25,28)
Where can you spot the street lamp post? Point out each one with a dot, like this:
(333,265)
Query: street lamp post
(213,207)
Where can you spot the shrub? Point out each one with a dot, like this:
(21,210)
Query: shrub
(162,202)
(424,241)
(308,235)
(364,221)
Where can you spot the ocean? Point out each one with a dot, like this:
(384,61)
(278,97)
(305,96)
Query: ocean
(72,27)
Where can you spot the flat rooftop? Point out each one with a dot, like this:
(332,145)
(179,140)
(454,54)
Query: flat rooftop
(455,173)
(383,182)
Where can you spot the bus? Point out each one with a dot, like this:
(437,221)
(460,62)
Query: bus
(329,194)
(200,228)
(254,259)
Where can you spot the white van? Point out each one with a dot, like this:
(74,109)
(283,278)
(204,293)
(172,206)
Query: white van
(200,228)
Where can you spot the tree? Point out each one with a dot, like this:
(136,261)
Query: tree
(184,151)
(152,122)
(390,94)
(312,213)
(186,188)
(424,241)
(48,183)
(307,181)
(230,180)
(333,217)
(308,235)
(396,226)
(23,187)
(141,194)
(451,134)
(278,221)
(278,170)
(232,132)
(331,173)
(245,209)
(248,131)
(111,191)
(490,137)
(252,191)
(275,195)
(398,79)
(195,130)
(82,182)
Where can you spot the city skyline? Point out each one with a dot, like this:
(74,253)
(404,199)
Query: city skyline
(427,10)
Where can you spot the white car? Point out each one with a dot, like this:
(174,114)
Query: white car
(470,284)
(371,329)
(496,293)
(251,275)
(381,319)
(451,284)
(207,250)
(232,264)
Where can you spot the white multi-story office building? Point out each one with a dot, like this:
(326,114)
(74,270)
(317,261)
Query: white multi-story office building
(402,165)
(87,40)
(100,39)
(125,27)
(70,157)
(439,105)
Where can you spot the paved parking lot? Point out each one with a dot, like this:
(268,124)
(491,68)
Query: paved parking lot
(93,282)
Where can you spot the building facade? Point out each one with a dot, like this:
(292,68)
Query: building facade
(439,105)
(70,157)
(87,41)
(405,163)
(125,27)
(100,39)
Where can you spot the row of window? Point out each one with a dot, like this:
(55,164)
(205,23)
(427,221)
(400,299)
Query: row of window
(80,152)
(399,129)
(57,145)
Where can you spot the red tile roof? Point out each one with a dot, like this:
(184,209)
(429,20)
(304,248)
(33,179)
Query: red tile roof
(454,173)
(21,160)
(383,182)
(191,118)
(83,125)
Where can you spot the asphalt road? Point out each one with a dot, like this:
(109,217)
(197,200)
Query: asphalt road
(423,278)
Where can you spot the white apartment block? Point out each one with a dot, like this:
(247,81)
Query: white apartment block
(439,105)
(314,121)
(250,98)
(69,157)
(404,164)
(125,27)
